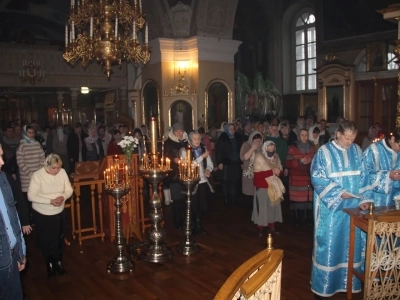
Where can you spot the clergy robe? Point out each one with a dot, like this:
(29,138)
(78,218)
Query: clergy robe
(334,170)
(377,162)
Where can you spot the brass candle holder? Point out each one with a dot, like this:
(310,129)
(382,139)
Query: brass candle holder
(154,171)
(117,185)
(189,176)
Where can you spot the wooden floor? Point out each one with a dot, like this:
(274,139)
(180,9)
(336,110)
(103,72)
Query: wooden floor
(231,239)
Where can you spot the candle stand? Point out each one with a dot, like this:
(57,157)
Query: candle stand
(154,173)
(120,263)
(188,246)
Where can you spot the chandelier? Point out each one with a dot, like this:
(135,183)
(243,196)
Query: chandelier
(31,71)
(180,88)
(105,31)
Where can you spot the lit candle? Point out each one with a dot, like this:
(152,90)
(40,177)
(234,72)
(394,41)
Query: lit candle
(134,30)
(167,161)
(140,6)
(126,175)
(73,30)
(153,135)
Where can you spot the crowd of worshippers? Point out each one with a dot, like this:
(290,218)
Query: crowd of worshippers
(317,168)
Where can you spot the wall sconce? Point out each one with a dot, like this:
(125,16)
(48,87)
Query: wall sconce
(181,88)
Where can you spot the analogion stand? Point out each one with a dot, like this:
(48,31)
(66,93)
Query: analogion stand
(382,276)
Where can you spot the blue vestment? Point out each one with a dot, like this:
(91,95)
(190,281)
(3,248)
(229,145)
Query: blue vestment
(334,170)
(377,162)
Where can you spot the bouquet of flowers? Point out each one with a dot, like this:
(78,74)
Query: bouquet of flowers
(128,143)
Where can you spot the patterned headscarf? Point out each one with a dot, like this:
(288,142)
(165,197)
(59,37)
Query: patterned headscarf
(264,148)
(190,138)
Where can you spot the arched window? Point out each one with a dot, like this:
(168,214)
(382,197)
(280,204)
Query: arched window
(305,52)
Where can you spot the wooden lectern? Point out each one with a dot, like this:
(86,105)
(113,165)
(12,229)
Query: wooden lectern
(132,207)
(382,260)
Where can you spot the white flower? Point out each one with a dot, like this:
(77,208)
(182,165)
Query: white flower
(128,143)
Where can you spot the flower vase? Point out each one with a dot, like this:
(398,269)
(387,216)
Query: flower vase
(128,159)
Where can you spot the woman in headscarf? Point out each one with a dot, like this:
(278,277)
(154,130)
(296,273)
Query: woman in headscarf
(221,129)
(48,189)
(298,162)
(30,157)
(202,192)
(229,163)
(94,146)
(177,139)
(267,168)
(247,154)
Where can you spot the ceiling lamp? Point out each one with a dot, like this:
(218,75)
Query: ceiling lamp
(106,31)
(84,90)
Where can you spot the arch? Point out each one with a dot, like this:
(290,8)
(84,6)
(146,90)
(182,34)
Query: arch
(229,99)
(178,112)
(150,96)
(290,16)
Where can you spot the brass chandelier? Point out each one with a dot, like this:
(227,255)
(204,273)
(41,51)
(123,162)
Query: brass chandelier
(106,31)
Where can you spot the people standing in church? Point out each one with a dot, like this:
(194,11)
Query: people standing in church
(76,146)
(300,124)
(202,192)
(205,139)
(94,146)
(369,139)
(177,139)
(266,207)
(113,147)
(309,122)
(146,137)
(137,133)
(30,158)
(12,244)
(298,161)
(104,138)
(59,145)
(221,129)
(49,188)
(247,130)
(11,140)
(286,133)
(247,154)
(229,163)
(335,175)
(380,171)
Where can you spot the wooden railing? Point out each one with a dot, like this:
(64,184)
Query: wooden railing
(257,278)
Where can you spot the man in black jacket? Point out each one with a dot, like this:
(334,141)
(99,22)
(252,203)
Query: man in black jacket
(76,146)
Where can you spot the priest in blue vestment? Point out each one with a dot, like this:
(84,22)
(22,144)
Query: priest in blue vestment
(335,175)
(380,171)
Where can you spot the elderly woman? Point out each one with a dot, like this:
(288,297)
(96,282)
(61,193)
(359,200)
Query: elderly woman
(298,162)
(48,190)
(247,154)
(177,139)
(267,207)
(202,193)
(94,145)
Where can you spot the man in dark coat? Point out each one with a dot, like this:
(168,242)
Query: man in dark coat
(229,163)
(76,146)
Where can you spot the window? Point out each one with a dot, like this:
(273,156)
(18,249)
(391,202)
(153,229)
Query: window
(392,65)
(305,53)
